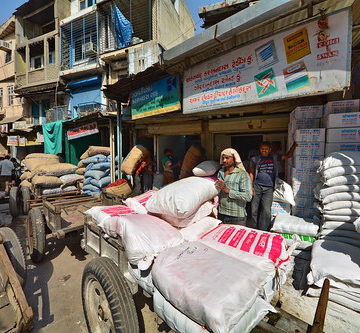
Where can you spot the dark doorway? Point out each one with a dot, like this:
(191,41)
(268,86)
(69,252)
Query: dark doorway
(244,144)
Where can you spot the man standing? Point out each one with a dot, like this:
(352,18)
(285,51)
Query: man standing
(264,170)
(6,168)
(235,188)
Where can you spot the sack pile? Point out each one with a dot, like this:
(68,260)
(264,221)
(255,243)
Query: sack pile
(95,166)
(283,198)
(339,196)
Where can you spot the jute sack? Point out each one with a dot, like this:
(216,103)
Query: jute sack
(26,175)
(80,171)
(46,181)
(56,169)
(121,190)
(25,183)
(191,159)
(136,155)
(81,164)
(34,163)
(42,156)
(95,150)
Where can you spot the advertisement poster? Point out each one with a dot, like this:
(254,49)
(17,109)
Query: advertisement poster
(85,130)
(13,140)
(300,61)
(160,97)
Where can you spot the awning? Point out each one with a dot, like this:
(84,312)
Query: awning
(85,82)
(9,120)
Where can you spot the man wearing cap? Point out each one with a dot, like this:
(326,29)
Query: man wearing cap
(235,188)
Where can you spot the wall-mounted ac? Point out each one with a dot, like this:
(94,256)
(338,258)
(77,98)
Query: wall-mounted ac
(90,49)
(4,46)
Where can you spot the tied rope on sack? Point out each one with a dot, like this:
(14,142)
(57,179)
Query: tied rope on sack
(232,152)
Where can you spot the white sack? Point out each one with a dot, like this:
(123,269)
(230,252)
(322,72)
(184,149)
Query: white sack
(283,192)
(70,179)
(138,203)
(340,159)
(286,223)
(332,225)
(345,240)
(343,267)
(217,294)
(341,196)
(109,218)
(206,169)
(340,205)
(344,180)
(357,225)
(182,198)
(196,230)
(325,191)
(300,245)
(339,218)
(351,212)
(264,244)
(145,236)
(180,323)
(340,171)
(302,254)
(340,233)
(204,210)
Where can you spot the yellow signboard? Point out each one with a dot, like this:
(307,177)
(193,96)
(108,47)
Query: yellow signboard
(297,45)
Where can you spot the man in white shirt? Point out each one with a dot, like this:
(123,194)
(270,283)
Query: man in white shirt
(6,168)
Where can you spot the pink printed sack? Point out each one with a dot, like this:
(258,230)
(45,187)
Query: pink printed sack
(257,242)
(138,203)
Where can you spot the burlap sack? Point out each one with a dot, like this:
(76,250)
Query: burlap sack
(46,181)
(34,163)
(42,156)
(58,169)
(191,159)
(80,171)
(95,150)
(26,175)
(81,164)
(136,155)
(122,190)
(25,183)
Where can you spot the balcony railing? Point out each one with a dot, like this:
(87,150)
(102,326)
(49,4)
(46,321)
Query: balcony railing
(84,109)
(58,113)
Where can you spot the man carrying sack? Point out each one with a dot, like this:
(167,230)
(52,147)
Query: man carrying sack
(235,188)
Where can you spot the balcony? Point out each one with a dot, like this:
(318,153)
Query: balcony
(84,109)
(58,113)
(7,70)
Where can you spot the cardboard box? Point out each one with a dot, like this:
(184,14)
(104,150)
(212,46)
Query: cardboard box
(306,162)
(310,135)
(303,123)
(332,147)
(307,112)
(341,120)
(305,212)
(279,208)
(301,201)
(346,106)
(304,176)
(340,135)
(303,189)
(310,148)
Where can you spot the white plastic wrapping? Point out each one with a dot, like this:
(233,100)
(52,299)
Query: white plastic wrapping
(196,230)
(182,198)
(344,180)
(217,294)
(339,159)
(206,168)
(138,203)
(283,193)
(326,191)
(340,171)
(285,223)
(341,196)
(145,236)
(340,205)
(339,218)
(332,225)
(357,224)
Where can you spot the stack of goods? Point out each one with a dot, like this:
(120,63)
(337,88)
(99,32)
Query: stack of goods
(192,158)
(340,204)
(343,126)
(95,166)
(283,198)
(304,130)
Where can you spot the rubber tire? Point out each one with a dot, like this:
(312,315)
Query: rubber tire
(15,253)
(117,292)
(26,195)
(37,251)
(14,201)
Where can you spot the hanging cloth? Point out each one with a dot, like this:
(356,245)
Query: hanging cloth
(53,137)
(123,28)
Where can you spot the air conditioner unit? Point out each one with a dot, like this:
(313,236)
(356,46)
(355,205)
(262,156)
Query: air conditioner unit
(90,49)
(4,46)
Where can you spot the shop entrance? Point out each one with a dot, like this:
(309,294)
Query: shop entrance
(246,144)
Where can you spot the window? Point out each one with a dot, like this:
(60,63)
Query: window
(86,3)
(1,97)
(8,56)
(51,57)
(37,62)
(10,95)
(85,48)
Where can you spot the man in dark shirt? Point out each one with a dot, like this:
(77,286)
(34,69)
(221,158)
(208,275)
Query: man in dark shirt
(264,170)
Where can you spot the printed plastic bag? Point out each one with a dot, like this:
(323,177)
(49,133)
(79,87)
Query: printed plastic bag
(283,192)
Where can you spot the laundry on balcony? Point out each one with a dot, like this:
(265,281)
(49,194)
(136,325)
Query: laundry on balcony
(123,28)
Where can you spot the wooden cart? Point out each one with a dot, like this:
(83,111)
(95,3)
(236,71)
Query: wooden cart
(56,217)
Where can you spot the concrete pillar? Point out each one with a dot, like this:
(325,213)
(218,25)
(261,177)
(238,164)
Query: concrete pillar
(27,62)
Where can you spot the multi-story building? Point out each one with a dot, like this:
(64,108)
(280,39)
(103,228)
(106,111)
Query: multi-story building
(37,55)
(12,107)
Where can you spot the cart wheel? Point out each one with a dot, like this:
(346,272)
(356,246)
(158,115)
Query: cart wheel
(37,241)
(26,195)
(15,253)
(107,301)
(14,201)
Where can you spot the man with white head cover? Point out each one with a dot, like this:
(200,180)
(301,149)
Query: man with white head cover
(235,188)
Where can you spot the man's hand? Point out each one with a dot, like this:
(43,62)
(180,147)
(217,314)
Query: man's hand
(220,185)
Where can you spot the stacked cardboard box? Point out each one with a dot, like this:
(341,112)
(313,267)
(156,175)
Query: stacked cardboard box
(343,132)
(304,130)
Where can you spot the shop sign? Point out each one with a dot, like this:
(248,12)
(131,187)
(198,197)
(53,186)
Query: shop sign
(32,139)
(13,140)
(160,97)
(4,128)
(301,61)
(85,130)
(22,141)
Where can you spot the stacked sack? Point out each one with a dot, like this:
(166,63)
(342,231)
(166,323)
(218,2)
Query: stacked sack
(283,198)
(95,166)
(339,195)
(304,130)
